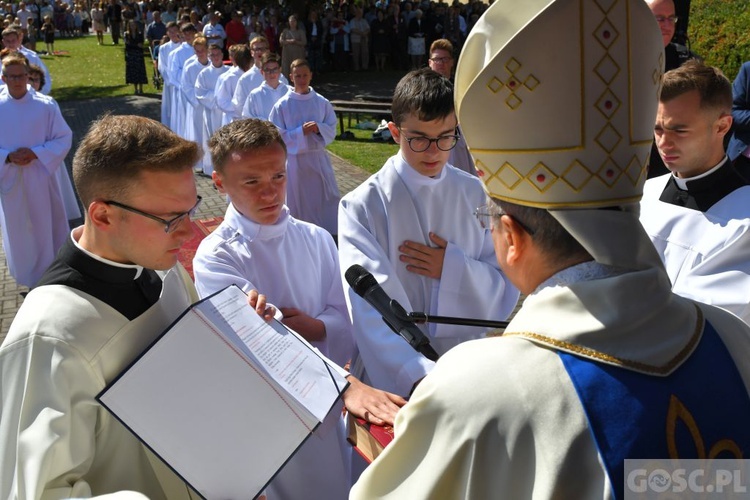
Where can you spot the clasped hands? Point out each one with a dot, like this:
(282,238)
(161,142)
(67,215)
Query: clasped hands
(22,156)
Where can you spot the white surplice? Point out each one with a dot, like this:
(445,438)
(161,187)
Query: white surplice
(295,264)
(205,85)
(177,62)
(707,254)
(63,348)
(224,92)
(167,95)
(193,127)
(312,192)
(261,100)
(34,222)
(248,82)
(500,417)
(398,204)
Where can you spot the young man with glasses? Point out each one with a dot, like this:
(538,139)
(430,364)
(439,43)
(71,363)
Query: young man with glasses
(34,140)
(12,38)
(262,99)
(410,225)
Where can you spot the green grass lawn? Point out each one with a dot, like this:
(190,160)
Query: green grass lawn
(85,70)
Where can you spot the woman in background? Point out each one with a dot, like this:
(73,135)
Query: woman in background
(135,66)
(293,40)
(97,19)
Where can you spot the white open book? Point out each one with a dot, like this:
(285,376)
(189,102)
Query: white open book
(224,398)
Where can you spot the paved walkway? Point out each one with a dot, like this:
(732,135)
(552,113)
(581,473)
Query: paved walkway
(79,115)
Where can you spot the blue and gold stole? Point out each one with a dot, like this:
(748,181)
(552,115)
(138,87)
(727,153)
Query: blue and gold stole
(701,410)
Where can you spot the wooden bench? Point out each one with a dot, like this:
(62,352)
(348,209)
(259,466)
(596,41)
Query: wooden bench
(356,108)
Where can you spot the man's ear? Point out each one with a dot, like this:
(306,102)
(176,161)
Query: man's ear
(101,215)
(218,181)
(724,124)
(516,239)
(395,133)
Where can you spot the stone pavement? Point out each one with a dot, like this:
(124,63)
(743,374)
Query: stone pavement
(79,115)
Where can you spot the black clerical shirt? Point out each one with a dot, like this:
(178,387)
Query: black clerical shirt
(118,287)
(703,193)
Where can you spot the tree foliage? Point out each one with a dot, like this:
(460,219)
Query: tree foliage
(719,32)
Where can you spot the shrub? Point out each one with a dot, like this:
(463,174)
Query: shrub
(719,32)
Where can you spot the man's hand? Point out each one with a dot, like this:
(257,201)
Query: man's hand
(423,259)
(310,128)
(310,328)
(373,405)
(258,302)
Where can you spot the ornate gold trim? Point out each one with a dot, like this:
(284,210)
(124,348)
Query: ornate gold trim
(614,360)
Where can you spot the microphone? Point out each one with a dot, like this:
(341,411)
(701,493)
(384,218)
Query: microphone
(366,286)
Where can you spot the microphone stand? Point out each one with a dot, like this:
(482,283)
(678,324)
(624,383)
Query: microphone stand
(420,318)
(421,344)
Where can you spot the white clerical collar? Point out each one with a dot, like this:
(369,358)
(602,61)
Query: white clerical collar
(585,271)
(295,95)
(254,231)
(682,181)
(138,269)
(413,178)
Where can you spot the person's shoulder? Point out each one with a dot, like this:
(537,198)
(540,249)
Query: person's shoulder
(310,230)
(654,186)
(372,185)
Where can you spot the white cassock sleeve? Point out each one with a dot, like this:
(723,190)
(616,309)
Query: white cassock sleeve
(163,63)
(241,91)
(52,152)
(247,109)
(187,86)
(223,93)
(204,93)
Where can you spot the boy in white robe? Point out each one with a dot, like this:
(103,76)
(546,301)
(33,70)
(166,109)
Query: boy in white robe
(177,60)
(602,363)
(34,140)
(698,216)
(193,127)
(294,263)
(308,124)
(261,100)
(12,38)
(165,50)
(204,93)
(410,225)
(252,79)
(225,85)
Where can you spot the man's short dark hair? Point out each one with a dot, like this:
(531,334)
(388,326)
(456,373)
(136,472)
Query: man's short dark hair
(117,149)
(714,88)
(551,237)
(424,93)
(240,136)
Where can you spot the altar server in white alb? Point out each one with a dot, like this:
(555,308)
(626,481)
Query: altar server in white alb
(12,40)
(165,50)
(193,126)
(253,78)
(241,59)
(294,264)
(177,61)
(603,362)
(410,225)
(261,100)
(34,140)
(698,215)
(308,124)
(204,93)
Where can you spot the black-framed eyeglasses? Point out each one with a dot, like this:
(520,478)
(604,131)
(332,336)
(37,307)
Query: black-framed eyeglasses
(488,214)
(169,225)
(422,143)
(272,71)
(441,60)
(667,19)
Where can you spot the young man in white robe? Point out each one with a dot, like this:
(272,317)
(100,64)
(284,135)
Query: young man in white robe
(177,60)
(259,245)
(204,93)
(12,40)
(165,50)
(410,225)
(225,85)
(115,286)
(602,363)
(193,127)
(34,140)
(308,124)
(252,79)
(698,215)
(261,100)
